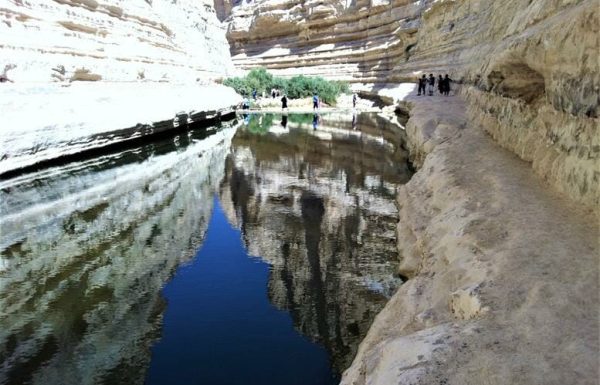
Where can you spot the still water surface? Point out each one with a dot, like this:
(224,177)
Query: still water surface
(253,254)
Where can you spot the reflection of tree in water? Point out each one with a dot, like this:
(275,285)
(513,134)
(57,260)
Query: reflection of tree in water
(328,234)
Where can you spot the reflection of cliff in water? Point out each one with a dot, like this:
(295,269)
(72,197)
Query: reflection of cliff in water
(318,205)
(85,250)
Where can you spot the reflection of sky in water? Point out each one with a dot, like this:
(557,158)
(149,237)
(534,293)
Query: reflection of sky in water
(87,247)
(220,328)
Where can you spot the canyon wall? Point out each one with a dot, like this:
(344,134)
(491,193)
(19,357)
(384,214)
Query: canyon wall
(84,74)
(529,68)
(359,41)
(503,271)
(115,40)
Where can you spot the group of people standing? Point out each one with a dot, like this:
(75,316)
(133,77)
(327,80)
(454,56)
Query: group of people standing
(427,85)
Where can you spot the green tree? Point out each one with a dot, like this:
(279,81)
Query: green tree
(296,87)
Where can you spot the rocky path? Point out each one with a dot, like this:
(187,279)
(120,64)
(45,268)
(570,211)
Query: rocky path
(503,272)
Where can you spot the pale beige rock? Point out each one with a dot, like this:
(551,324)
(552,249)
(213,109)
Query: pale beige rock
(114,40)
(503,272)
(533,65)
(356,41)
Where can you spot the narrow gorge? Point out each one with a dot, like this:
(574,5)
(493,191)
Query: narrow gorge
(440,240)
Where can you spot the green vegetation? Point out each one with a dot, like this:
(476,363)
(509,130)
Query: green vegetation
(297,87)
(260,124)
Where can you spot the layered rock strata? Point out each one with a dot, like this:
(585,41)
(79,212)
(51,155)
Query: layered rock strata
(85,251)
(86,74)
(532,65)
(503,273)
(360,41)
(112,40)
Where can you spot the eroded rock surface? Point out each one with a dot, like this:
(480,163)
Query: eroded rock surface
(114,40)
(503,273)
(532,65)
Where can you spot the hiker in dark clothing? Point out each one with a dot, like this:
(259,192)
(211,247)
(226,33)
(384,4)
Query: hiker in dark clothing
(440,82)
(430,84)
(254,94)
(284,102)
(353,100)
(273,93)
(446,88)
(315,101)
(422,82)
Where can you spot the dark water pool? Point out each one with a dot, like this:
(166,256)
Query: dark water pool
(205,342)
(252,254)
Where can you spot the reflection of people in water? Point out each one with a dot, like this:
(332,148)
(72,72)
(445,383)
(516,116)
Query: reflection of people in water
(315,121)
(354,121)
(246,118)
(284,120)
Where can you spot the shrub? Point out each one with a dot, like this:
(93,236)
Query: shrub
(239,85)
(296,87)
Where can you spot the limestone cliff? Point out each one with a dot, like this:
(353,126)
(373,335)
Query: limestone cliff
(360,41)
(112,40)
(503,272)
(530,67)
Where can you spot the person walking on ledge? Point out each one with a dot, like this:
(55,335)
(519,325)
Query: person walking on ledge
(446,85)
(440,82)
(315,101)
(354,100)
(431,84)
(284,102)
(422,81)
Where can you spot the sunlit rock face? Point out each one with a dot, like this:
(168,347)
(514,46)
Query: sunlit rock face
(361,41)
(85,250)
(530,67)
(535,78)
(118,40)
(318,205)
